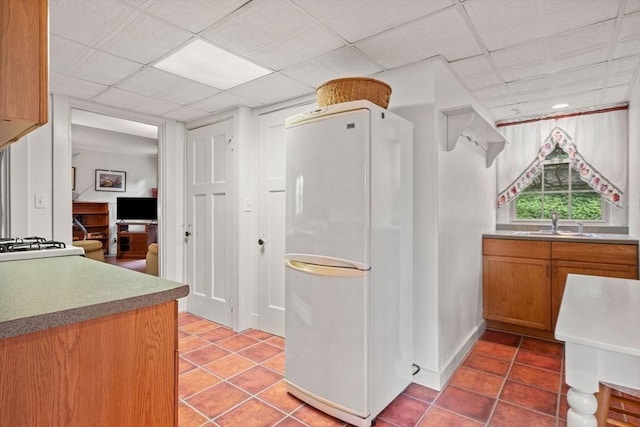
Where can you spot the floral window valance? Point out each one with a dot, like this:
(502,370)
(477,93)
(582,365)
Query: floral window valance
(559,138)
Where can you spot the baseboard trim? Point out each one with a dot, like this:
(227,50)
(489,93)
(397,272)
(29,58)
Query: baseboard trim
(437,380)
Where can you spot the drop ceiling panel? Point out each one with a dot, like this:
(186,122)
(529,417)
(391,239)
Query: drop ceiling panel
(271,89)
(192,15)
(274,19)
(503,23)
(354,24)
(104,68)
(583,40)
(155,83)
(347,62)
(133,101)
(310,74)
(223,101)
(477,81)
(186,114)
(313,41)
(236,37)
(616,94)
(491,92)
(87,22)
(64,54)
(144,39)
(274,57)
(470,66)
(391,49)
(566,15)
(444,33)
(73,87)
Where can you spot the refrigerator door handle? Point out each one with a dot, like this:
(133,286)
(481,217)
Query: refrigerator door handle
(324,270)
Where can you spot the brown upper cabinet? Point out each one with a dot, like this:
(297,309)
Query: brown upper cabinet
(23,68)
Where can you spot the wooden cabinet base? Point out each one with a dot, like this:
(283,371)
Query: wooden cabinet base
(520,330)
(118,370)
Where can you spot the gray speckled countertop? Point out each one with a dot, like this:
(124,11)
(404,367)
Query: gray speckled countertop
(623,239)
(43,293)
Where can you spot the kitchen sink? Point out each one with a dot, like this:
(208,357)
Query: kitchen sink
(557,233)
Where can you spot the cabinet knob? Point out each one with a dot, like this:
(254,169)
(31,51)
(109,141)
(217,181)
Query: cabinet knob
(187,234)
(261,242)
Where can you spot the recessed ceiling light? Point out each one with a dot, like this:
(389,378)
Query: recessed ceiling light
(205,63)
(558,106)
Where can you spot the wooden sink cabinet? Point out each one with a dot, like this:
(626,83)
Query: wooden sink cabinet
(523,280)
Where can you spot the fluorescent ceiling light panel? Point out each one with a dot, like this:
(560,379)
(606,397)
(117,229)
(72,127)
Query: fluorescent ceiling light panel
(205,63)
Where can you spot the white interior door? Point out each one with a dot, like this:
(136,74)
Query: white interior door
(272,214)
(208,221)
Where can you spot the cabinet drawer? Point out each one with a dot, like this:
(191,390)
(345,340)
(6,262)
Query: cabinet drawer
(517,248)
(603,253)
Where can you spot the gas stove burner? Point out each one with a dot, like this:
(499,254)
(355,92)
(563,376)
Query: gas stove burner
(29,244)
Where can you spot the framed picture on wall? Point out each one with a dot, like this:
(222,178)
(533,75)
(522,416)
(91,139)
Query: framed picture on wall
(108,180)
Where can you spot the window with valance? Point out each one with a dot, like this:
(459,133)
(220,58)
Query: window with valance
(575,166)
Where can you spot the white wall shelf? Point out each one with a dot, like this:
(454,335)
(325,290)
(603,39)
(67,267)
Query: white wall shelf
(468,124)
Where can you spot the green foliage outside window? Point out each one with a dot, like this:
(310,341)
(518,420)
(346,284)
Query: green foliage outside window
(558,189)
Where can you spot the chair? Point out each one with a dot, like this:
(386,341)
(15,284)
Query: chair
(152,259)
(92,248)
(619,404)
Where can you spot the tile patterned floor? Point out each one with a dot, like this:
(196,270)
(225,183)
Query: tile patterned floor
(236,380)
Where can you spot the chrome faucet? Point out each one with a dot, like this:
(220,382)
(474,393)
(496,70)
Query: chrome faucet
(554,222)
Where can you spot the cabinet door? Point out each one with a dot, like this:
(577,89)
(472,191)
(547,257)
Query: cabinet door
(517,291)
(562,268)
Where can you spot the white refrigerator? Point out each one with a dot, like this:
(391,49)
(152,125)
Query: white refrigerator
(348,257)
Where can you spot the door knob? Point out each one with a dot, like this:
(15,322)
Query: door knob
(261,242)
(187,234)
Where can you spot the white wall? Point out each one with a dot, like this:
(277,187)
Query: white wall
(453,206)
(634,162)
(141,177)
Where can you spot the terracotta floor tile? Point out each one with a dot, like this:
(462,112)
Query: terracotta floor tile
(315,418)
(278,397)
(218,399)
(190,343)
(478,381)
(195,381)
(492,349)
(217,334)
(276,341)
(539,360)
(441,417)
(530,375)
(186,318)
(290,422)
(530,397)
(260,352)
(205,354)
(563,407)
(501,338)
(256,379)
(251,413)
(258,335)
(507,415)
(228,366)
(276,363)
(199,326)
(404,411)
(184,365)
(487,364)
(236,342)
(421,392)
(182,334)
(188,417)
(542,346)
(467,403)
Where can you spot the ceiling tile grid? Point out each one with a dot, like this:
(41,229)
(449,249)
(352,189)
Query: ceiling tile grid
(514,56)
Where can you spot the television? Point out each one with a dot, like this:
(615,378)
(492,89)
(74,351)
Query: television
(137,209)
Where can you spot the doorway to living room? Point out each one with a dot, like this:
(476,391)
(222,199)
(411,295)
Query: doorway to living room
(114,188)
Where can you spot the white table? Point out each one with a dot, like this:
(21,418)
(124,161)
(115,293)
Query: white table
(599,322)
